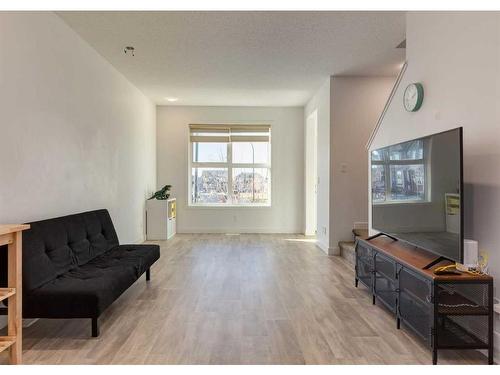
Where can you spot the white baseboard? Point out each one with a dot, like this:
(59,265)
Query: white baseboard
(29,322)
(239,230)
(26,322)
(334,250)
(327,249)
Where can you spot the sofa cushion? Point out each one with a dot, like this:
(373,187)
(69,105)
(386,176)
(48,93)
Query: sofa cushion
(139,257)
(80,293)
(53,247)
(87,290)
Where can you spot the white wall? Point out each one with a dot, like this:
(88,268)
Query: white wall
(76,135)
(320,102)
(348,109)
(456,56)
(286,214)
(356,104)
(311,170)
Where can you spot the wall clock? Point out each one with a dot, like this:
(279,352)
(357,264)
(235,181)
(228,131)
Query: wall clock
(413,97)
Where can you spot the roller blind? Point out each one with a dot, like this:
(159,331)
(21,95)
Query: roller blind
(229,133)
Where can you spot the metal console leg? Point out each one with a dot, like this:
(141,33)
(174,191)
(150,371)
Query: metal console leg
(490,323)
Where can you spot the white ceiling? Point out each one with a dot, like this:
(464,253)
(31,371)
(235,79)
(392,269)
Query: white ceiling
(242,58)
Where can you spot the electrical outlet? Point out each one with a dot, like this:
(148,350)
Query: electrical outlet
(324,230)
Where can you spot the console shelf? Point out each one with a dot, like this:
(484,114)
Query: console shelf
(446,311)
(463,311)
(11,241)
(6,293)
(457,304)
(454,336)
(6,342)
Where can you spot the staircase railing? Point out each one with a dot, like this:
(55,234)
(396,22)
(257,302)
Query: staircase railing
(387,104)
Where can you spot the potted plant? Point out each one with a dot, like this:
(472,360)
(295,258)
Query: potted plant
(162,194)
(157,214)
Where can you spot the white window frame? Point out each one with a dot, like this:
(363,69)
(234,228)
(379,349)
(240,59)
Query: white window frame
(387,173)
(229,165)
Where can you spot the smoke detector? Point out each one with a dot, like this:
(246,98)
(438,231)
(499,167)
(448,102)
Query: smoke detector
(129,50)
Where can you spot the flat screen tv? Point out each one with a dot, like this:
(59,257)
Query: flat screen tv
(417,193)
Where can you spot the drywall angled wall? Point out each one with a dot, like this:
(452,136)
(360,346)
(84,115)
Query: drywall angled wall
(320,103)
(76,134)
(356,104)
(286,214)
(347,110)
(456,56)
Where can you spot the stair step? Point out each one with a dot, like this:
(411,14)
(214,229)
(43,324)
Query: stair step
(347,251)
(362,233)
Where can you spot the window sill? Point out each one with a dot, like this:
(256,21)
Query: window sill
(226,206)
(400,203)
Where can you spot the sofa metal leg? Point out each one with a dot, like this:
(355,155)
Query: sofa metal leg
(148,274)
(95,327)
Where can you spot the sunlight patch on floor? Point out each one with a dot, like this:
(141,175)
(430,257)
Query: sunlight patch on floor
(309,240)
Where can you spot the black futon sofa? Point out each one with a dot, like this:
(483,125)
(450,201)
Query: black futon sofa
(73,267)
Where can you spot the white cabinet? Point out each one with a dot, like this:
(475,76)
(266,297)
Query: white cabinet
(161,219)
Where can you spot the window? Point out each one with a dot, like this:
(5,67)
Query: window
(230,165)
(399,173)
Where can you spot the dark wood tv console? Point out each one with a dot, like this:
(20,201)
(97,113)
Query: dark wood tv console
(446,311)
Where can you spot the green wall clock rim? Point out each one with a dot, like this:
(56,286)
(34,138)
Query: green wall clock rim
(420,96)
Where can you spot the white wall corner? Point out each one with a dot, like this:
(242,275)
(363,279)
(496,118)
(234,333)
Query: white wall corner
(323,247)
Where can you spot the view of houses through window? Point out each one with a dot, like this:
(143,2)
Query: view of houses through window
(230,165)
(399,173)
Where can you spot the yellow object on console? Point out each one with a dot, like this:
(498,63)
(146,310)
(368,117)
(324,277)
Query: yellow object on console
(173,209)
